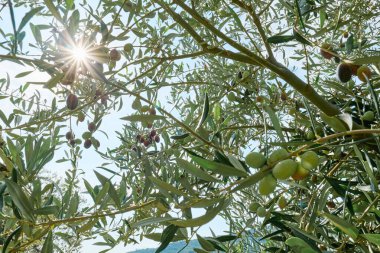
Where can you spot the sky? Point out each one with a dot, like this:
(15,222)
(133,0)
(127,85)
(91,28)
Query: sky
(91,159)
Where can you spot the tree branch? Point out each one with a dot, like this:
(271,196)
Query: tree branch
(257,22)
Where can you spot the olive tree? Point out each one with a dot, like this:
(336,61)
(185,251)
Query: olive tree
(264,113)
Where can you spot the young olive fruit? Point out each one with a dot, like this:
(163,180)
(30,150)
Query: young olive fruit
(128,47)
(368,116)
(284,169)
(309,160)
(344,72)
(282,203)
(254,206)
(144,108)
(326,48)
(255,160)
(301,173)
(115,55)
(310,135)
(364,72)
(277,155)
(136,104)
(231,97)
(267,185)
(81,116)
(261,212)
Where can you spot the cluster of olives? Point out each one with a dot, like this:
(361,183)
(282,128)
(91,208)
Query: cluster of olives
(283,167)
(345,70)
(148,139)
(89,140)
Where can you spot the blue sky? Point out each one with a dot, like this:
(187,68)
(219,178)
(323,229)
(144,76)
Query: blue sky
(110,124)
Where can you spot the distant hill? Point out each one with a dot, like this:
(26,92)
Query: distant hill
(173,248)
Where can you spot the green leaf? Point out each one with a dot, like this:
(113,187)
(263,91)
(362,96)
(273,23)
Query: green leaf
(28,16)
(368,167)
(201,203)
(69,3)
(48,244)
(199,221)
(157,237)
(299,246)
(251,180)
(217,110)
(138,33)
(197,250)
(275,121)
(343,225)
(89,225)
(47,210)
(150,221)
(20,199)
(53,10)
(226,238)
(301,38)
(163,185)
(206,107)
(167,236)
(194,170)
(277,39)
(350,44)
(17,231)
(143,118)
(179,137)
(54,81)
(74,22)
(22,74)
(299,14)
(334,123)
(111,191)
(372,238)
(219,168)
(367,60)
(205,244)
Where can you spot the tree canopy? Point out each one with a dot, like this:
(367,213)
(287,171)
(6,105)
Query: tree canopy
(265,113)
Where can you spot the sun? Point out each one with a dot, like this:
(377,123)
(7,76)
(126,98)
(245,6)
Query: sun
(80,54)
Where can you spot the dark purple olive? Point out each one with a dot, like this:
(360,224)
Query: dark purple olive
(72,101)
(87,143)
(91,127)
(69,135)
(344,72)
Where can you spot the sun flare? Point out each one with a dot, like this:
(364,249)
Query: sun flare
(79,53)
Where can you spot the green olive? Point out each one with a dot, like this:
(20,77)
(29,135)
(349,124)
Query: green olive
(277,155)
(309,160)
(255,160)
(284,169)
(282,203)
(267,185)
(261,212)
(254,206)
(368,116)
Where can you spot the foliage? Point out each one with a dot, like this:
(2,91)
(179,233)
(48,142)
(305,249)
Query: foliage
(200,84)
